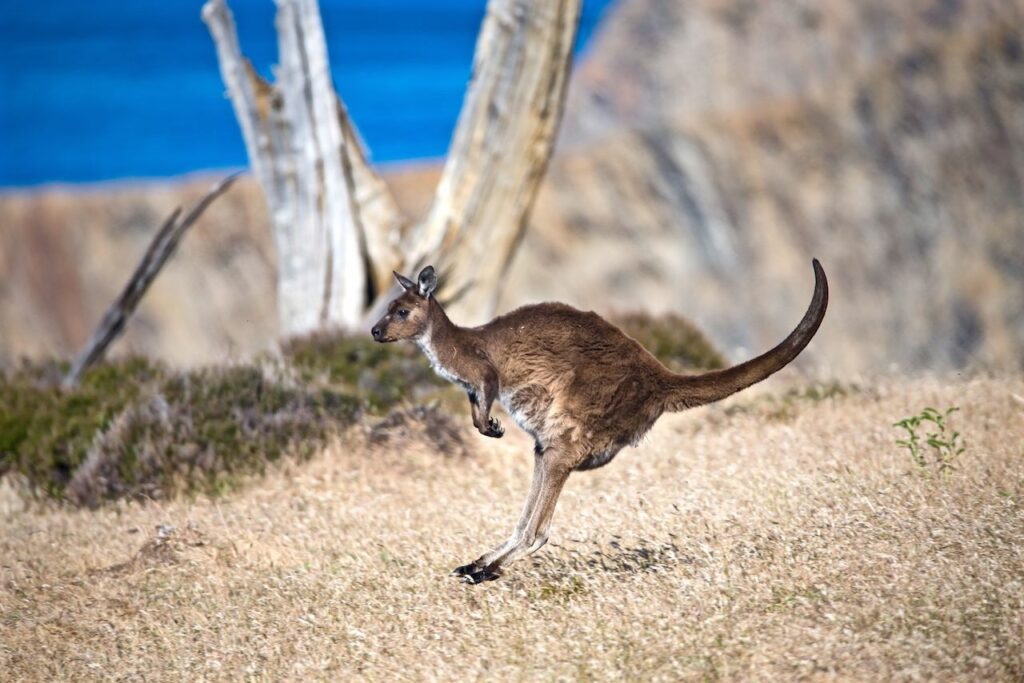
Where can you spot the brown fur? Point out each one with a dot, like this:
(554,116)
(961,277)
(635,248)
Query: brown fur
(574,381)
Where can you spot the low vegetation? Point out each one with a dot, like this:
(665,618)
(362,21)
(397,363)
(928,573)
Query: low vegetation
(204,431)
(785,405)
(134,428)
(45,432)
(730,545)
(944,445)
(381,375)
(673,339)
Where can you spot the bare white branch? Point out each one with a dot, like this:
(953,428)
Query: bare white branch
(234,71)
(347,277)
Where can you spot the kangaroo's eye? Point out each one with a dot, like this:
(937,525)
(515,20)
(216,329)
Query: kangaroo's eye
(403,313)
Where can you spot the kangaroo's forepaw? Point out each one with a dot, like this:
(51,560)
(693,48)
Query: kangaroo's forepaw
(494,429)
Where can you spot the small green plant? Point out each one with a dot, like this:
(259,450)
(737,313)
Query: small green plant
(944,444)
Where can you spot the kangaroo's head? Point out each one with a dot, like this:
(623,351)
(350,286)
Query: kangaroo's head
(408,316)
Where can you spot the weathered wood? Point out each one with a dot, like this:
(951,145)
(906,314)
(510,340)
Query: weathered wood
(381,222)
(301,256)
(160,249)
(299,21)
(332,216)
(338,232)
(500,150)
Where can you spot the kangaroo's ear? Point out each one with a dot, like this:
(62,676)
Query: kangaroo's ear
(406,283)
(427,281)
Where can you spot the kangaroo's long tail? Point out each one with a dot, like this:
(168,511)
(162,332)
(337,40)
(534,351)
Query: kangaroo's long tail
(690,391)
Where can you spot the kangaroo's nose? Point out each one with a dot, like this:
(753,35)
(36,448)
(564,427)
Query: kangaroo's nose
(376,332)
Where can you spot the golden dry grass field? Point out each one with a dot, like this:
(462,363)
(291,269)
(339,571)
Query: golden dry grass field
(759,539)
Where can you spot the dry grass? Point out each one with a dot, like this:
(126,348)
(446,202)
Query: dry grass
(753,543)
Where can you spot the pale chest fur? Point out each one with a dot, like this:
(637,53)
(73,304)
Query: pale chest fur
(426,344)
(530,405)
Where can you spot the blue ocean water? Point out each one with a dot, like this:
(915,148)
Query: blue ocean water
(104,89)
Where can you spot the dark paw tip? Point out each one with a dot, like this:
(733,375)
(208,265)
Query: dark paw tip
(481,576)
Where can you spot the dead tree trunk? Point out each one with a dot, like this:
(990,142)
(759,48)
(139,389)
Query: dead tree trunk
(500,150)
(337,230)
(303,151)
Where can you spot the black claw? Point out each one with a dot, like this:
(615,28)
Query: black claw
(465,570)
(494,428)
(480,576)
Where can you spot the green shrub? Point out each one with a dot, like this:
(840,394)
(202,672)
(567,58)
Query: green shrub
(673,340)
(45,431)
(379,375)
(204,431)
(133,428)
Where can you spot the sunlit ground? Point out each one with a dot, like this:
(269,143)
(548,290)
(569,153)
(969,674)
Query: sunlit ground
(765,538)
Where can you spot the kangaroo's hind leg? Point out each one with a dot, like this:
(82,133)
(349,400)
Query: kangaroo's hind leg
(531,499)
(551,470)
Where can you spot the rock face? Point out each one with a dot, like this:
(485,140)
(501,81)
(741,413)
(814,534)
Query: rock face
(711,147)
(655,60)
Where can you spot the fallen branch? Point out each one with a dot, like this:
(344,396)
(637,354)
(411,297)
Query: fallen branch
(159,251)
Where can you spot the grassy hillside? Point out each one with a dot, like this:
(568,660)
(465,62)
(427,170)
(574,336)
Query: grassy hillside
(783,534)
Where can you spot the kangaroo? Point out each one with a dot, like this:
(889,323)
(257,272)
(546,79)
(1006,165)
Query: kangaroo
(576,383)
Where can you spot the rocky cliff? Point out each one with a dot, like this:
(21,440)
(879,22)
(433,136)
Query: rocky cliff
(711,147)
